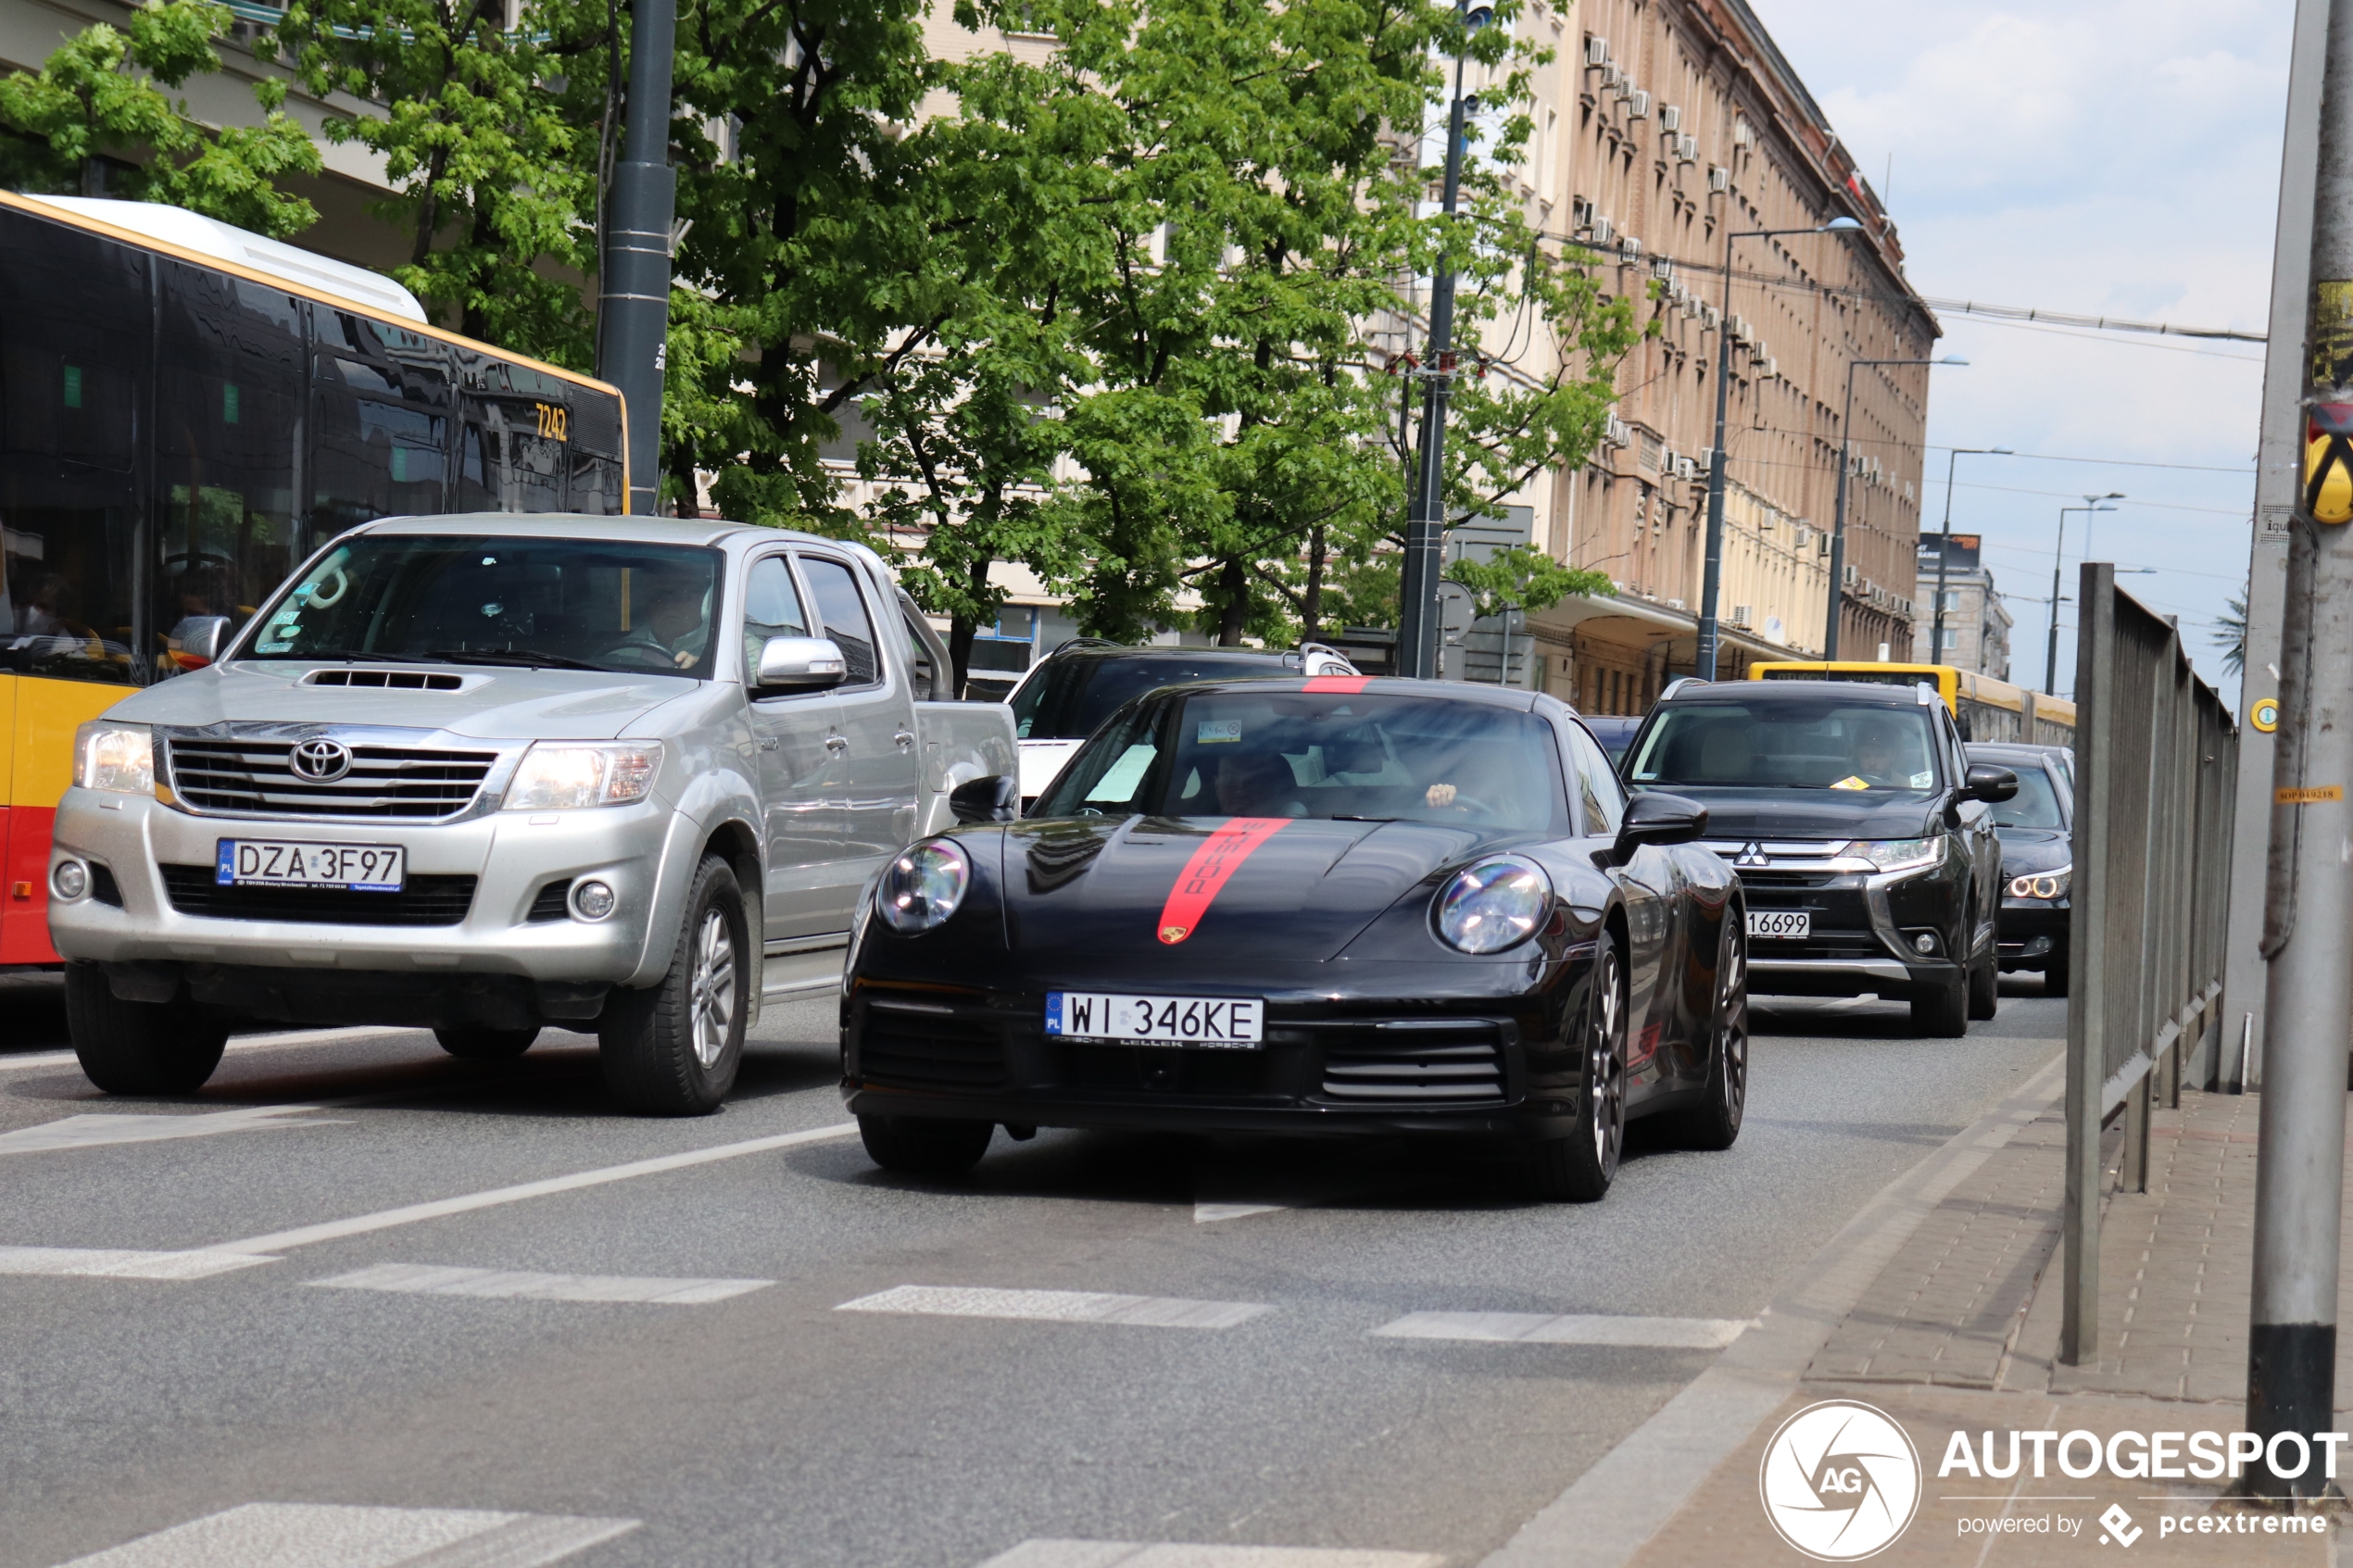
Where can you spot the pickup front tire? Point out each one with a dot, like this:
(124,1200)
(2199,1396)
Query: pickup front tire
(486,1045)
(139,1048)
(672,1048)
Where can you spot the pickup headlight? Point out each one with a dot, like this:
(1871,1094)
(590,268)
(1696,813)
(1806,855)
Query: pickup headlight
(1493,905)
(2043,884)
(117,758)
(563,777)
(923,888)
(1899,854)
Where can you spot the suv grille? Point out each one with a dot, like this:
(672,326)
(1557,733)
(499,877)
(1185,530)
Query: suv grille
(427,900)
(404,783)
(1451,1060)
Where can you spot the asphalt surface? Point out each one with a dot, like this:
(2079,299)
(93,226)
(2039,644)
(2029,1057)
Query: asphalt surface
(767,1426)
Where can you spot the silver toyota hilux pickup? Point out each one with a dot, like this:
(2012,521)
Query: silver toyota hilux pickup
(488,774)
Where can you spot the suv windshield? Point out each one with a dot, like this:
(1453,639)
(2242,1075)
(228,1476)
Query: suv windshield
(1299,754)
(1071,696)
(2036,803)
(567,603)
(1818,744)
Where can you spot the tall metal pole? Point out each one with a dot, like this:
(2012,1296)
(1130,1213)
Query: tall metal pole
(1425,524)
(1837,521)
(1945,541)
(633,302)
(2050,657)
(2299,1173)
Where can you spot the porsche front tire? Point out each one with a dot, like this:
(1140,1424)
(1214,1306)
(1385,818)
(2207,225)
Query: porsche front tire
(938,1149)
(1578,1168)
(1715,1121)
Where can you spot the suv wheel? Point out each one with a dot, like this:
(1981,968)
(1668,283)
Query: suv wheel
(672,1048)
(139,1048)
(1985,987)
(1944,1010)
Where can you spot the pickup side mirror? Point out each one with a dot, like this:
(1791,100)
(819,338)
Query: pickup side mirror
(993,799)
(800,664)
(197,640)
(1658,819)
(1988,784)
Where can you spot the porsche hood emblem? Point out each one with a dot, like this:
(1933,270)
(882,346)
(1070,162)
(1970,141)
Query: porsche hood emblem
(1174,933)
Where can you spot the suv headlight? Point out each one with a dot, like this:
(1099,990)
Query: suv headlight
(1899,854)
(1493,905)
(564,775)
(2043,884)
(117,758)
(923,888)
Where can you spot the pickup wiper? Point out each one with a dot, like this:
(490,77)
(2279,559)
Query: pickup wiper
(346,656)
(523,658)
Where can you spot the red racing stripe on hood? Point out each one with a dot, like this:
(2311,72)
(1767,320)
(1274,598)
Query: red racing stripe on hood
(1220,855)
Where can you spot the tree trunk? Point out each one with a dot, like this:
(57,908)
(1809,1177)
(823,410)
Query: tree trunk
(1311,604)
(1236,609)
(959,650)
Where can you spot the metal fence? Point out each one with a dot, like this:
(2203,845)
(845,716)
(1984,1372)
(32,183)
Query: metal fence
(2155,762)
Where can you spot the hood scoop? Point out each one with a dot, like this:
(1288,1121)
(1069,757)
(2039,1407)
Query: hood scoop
(392,680)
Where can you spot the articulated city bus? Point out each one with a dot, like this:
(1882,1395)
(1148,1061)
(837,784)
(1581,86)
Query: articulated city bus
(1983,707)
(186,411)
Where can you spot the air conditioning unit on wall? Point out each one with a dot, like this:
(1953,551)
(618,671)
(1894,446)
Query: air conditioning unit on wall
(1638,104)
(1670,117)
(1719,178)
(1597,51)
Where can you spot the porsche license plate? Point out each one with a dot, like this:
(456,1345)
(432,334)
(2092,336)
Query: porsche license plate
(1796,923)
(1201,1022)
(264,863)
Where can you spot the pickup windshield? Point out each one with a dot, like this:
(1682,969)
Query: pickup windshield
(1820,744)
(570,603)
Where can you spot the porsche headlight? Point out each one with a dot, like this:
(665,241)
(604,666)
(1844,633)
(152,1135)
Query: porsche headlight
(2047,885)
(1493,905)
(1899,854)
(923,888)
(567,776)
(117,758)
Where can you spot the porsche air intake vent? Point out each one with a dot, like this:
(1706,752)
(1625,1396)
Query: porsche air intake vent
(1434,1061)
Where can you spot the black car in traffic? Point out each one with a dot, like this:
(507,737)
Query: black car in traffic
(1337,905)
(2037,828)
(1862,836)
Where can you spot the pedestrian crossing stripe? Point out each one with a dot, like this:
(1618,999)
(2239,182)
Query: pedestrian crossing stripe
(284,1534)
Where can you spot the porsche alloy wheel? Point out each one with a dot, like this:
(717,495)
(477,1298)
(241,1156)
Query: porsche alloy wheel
(1578,1168)
(1715,1122)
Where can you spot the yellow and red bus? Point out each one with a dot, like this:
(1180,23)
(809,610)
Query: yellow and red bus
(1983,707)
(186,411)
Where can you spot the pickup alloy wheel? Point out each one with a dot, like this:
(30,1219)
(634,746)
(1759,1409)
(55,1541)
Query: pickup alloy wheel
(672,1048)
(139,1048)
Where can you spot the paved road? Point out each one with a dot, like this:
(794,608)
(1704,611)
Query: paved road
(444,1364)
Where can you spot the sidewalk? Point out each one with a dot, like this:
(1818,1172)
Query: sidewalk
(1959,1332)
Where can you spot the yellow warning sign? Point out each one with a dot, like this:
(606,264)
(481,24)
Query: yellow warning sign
(2328,477)
(2309,795)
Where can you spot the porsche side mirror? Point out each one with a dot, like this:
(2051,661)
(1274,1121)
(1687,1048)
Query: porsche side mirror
(800,664)
(1988,784)
(1658,819)
(994,799)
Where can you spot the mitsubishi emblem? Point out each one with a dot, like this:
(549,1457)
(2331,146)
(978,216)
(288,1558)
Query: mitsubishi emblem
(1752,854)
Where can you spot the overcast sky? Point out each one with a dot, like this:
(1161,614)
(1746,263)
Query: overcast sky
(2092,157)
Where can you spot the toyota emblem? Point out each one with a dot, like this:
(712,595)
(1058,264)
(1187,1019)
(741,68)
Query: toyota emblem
(320,761)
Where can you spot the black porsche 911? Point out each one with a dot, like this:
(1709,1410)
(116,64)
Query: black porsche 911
(1331,905)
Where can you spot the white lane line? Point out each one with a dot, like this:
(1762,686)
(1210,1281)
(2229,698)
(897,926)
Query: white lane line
(1183,1554)
(1209,1213)
(287,1041)
(99,1263)
(98,1128)
(284,1534)
(413,1213)
(436,1279)
(1057,1306)
(1572,1328)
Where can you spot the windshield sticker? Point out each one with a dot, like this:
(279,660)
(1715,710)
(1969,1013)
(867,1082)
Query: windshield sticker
(1851,781)
(1218,731)
(1219,856)
(1119,781)
(1922,781)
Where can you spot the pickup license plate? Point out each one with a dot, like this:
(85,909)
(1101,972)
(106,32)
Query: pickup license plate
(266,862)
(1204,1022)
(1781,922)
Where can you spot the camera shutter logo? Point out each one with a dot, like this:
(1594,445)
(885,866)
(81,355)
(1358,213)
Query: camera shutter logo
(1840,1481)
(319,760)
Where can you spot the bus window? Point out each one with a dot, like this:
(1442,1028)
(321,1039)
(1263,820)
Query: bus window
(380,434)
(513,457)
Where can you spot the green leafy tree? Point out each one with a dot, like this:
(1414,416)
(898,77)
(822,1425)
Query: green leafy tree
(2229,633)
(1523,578)
(106,94)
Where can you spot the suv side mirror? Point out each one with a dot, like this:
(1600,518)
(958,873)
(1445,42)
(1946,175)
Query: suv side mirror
(992,798)
(197,640)
(1988,783)
(800,664)
(1658,819)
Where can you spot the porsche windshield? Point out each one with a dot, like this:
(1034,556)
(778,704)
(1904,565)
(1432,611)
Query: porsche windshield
(1075,693)
(585,604)
(1820,745)
(1299,754)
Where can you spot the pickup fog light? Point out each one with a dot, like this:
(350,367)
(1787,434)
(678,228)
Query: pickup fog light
(923,888)
(1899,854)
(116,758)
(592,900)
(1493,905)
(2043,884)
(564,777)
(70,879)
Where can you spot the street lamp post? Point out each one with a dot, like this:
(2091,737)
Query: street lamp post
(1712,573)
(1838,515)
(2059,550)
(1944,542)
(1425,522)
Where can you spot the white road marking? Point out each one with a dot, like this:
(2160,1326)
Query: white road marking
(90,1131)
(293,1535)
(1209,1213)
(117,1264)
(1057,1306)
(435,1279)
(286,1041)
(1182,1554)
(1574,1328)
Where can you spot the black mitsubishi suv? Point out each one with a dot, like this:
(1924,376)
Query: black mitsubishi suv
(1862,837)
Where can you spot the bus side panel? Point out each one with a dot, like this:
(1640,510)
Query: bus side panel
(42,717)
